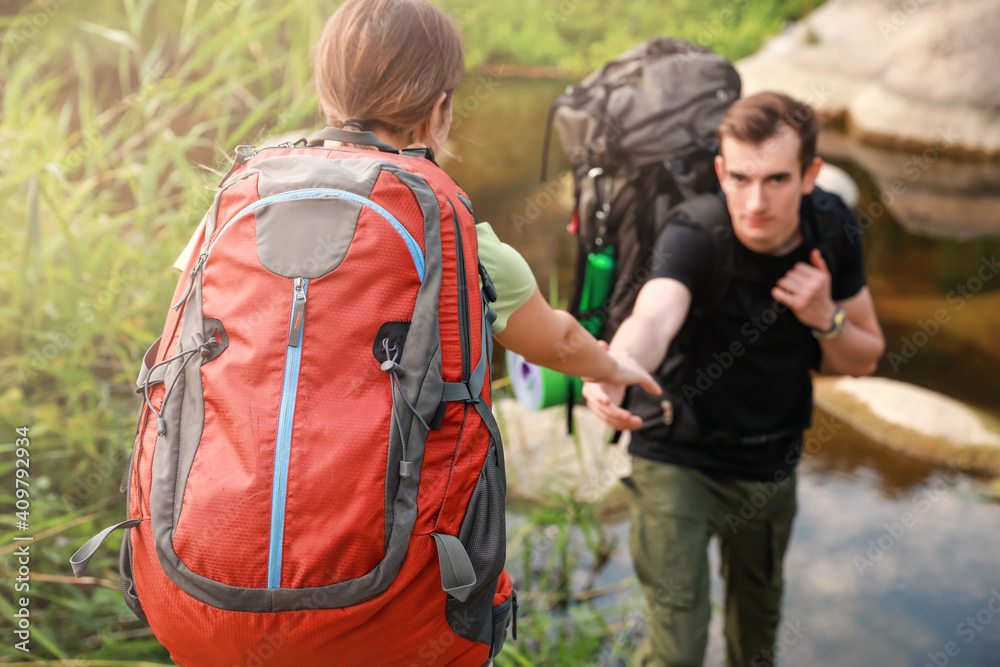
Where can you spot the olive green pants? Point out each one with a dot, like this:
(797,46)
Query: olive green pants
(675,510)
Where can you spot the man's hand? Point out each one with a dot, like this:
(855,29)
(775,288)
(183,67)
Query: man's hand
(806,290)
(603,399)
(645,335)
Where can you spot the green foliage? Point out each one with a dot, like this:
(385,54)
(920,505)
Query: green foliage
(117,118)
(577,36)
(112,136)
(555,552)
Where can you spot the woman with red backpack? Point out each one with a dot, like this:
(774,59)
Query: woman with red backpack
(318,477)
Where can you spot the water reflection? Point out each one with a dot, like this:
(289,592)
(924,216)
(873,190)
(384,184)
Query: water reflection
(889,556)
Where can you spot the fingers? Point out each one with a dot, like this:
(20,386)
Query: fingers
(617,418)
(782,295)
(650,385)
(805,272)
(816,259)
(631,372)
(604,345)
(794,283)
(601,404)
(594,393)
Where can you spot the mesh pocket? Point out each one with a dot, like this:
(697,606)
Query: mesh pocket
(501,617)
(128,581)
(484,535)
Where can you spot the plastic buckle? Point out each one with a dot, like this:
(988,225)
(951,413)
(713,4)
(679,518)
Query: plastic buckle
(488,288)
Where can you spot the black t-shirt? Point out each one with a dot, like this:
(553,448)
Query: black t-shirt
(747,373)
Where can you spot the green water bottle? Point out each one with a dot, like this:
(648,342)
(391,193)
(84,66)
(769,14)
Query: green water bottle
(598,281)
(537,387)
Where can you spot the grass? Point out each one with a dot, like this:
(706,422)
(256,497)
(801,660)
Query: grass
(116,121)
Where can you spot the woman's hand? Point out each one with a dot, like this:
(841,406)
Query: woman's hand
(627,372)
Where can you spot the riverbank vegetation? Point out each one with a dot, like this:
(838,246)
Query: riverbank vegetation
(117,117)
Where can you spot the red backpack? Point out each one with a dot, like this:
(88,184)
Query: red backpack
(275,513)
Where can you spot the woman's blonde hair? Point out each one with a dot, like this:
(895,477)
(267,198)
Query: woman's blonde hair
(385,63)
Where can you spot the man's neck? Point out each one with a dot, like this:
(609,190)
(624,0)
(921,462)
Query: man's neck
(791,244)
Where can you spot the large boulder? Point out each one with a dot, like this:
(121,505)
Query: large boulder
(899,73)
(925,191)
(913,420)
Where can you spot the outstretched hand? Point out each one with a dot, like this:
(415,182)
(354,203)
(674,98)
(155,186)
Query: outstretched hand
(603,398)
(806,290)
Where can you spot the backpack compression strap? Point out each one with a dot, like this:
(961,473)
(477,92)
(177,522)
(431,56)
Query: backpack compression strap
(351,137)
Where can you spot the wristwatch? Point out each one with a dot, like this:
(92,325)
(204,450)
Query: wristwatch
(836,327)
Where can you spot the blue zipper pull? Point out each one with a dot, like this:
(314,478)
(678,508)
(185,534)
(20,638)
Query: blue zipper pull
(298,313)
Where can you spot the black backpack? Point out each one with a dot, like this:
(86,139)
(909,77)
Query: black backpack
(641,136)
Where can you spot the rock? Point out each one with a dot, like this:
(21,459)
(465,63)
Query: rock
(913,420)
(834,179)
(927,193)
(541,458)
(896,72)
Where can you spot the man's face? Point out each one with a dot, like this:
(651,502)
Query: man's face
(764,185)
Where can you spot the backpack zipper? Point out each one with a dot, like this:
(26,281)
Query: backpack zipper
(282,446)
(328,193)
(463,298)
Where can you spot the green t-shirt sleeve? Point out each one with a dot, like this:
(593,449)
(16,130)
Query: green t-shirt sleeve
(510,274)
(185,255)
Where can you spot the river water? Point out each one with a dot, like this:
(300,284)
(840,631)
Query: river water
(862,588)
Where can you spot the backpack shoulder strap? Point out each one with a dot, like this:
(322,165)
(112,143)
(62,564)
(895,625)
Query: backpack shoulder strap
(831,220)
(708,212)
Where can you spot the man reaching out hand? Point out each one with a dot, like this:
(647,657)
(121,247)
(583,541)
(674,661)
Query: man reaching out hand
(732,328)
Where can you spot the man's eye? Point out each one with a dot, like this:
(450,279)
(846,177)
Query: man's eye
(780,178)
(738,178)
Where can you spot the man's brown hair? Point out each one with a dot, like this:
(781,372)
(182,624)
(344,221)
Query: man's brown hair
(385,63)
(757,118)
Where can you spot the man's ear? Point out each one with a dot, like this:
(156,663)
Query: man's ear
(720,168)
(809,177)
